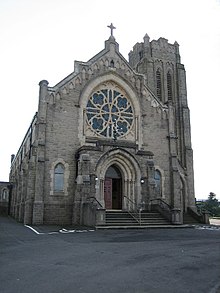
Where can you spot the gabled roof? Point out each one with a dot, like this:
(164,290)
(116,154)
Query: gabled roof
(111,51)
(107,60)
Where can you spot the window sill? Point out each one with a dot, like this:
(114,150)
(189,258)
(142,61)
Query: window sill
(58,193)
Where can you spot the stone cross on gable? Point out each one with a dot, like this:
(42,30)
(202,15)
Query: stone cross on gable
(111,26)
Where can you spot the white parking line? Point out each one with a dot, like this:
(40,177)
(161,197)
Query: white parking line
(212,228)
(62,231)
(35,231)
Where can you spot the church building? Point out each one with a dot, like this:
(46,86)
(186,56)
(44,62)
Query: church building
(114,135)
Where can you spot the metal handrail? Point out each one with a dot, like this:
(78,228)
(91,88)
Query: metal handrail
(164,208)
(136,211)
(198,216)
(134,203)
(161,203)
(94,198)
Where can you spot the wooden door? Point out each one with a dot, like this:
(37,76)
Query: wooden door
(108,193)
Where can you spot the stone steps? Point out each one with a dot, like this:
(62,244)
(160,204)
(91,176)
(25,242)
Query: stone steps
(123,219)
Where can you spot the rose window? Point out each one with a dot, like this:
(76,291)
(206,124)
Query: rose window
(109,113)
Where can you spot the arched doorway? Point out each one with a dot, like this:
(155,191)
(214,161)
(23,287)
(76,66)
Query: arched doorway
(113,188)
(128,175)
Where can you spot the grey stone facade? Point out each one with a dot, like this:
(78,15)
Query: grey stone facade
(5,188)
(142,132)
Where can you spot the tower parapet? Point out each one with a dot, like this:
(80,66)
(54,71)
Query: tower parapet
(160,49)
(157,60)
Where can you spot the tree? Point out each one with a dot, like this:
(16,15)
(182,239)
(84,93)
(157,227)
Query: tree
(212,205)
(212,196)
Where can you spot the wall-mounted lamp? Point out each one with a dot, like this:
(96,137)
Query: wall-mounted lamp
(96,178)
(142,181)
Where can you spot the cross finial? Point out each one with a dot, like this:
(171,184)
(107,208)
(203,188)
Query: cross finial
(111,26)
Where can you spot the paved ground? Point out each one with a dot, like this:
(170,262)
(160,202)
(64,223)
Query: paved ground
(215,221)
(131,261)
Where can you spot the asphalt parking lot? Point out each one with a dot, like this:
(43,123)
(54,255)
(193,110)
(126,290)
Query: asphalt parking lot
(55,259)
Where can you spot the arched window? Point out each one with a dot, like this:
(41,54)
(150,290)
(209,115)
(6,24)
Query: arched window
(159,84)
(4,195)
(141,55)
(112,64)
(59,178)
(157,177)
(169,86)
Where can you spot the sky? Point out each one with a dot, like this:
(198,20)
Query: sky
(40,39)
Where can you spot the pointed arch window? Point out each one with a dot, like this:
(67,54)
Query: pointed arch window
(169,86)
(4,195)
(112,64)
(59,178)
(157,178)
(159,84)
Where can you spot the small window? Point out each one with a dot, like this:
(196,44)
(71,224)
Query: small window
(141,55)
(5,195)
(159,84)
(112,64)
(59,178)
(169,86)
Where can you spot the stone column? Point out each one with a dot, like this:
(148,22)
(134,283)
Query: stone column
(128,204)
(100,216)
(176,217)
(146,186)
(174,172)
(172,133)
(28,210)
(188,157)
(101,192)
(206,215)
(22,198)
(133,191)
(125,193)
(18,196)
(38,207)
(185,128)
(175,186)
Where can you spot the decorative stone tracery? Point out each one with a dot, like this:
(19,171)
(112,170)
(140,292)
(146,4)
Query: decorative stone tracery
(109,113)
(110,109)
